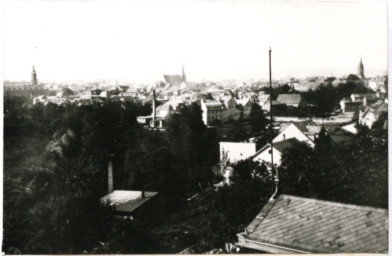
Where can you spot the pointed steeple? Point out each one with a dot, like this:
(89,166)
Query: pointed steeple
(183,77)
(33,77)
(361,72)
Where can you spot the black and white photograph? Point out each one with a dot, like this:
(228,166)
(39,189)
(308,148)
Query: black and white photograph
(194,127)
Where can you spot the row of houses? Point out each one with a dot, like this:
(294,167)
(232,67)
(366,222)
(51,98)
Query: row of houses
(289,136)
(357,100)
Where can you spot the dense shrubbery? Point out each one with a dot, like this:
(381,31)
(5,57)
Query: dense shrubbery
(356,174)
(52,205)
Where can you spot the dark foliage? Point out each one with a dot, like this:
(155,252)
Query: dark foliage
(355,174)
(51,200)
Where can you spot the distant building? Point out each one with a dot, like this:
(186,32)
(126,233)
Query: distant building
(291,224)
(223,109)
(369,115)
(356,100)
(346,105)
(360,70)
(291,100)
(246,105)
(31,90)
(212,111)
(173,80)
(176,80)
(34,77)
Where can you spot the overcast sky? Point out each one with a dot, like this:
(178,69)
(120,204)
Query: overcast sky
(141,40)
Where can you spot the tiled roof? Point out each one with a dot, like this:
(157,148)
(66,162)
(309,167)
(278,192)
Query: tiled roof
(286,144)
(295,224)
(127,200)
(289,98)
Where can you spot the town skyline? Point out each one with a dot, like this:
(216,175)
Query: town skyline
(215,41)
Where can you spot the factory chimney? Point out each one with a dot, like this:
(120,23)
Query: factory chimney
(154,111)
(110,175)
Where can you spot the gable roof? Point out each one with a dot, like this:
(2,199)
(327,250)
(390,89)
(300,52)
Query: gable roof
(303,127)
(289,98)
(279,146)
(127,200)
(302,225)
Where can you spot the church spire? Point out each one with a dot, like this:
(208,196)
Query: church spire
(183,77)
(34,77)
(361,72)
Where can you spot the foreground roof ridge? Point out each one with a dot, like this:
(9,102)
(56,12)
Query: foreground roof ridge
(326,202)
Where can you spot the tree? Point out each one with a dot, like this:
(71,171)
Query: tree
(257,119)
(238,131)
(195,147)
(297,170)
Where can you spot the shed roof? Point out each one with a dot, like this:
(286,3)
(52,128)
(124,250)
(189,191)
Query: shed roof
(296,224)
(289,98)
(127,200)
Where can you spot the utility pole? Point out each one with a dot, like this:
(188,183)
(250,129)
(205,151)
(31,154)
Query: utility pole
(274,171)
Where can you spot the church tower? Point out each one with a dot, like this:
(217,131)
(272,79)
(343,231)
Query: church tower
(34,77)
(361,73)
(183,77)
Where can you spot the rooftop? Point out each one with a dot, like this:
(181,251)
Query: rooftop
(302,225)
(286,144)
(289,98)
(127,200)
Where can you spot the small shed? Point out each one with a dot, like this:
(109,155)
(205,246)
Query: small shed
(129,202)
